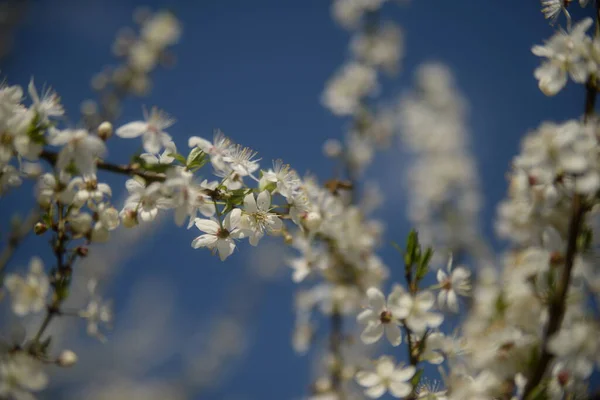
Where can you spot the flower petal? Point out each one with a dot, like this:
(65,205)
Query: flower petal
(376,299)
(132,129)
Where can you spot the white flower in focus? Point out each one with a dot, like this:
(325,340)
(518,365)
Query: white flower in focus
(386,377)
(21,374)
(29,293)
(348,87)
(219,238)
(380,318)
(286,179)
(146,200)
(241,160)
(96,312)
(455,282)
(416,311)
(567,54)
(48,106)
(154,137)
(79,147)
(218,149)
(257,218)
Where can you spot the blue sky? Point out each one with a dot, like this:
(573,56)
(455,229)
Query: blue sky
(256,69)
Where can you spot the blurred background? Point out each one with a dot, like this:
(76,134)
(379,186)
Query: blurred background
(187,325)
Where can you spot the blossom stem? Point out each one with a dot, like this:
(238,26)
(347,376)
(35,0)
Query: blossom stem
(126,169)
(335,346)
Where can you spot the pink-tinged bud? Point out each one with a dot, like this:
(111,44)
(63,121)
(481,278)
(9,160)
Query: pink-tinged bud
(66,359)
(312,220)
(40,228)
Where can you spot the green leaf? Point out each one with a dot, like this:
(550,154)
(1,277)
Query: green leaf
(181,159)
(196,159)
(423,267)
(416,378)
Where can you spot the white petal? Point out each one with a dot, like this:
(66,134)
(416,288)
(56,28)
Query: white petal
(375,392)
(132,129)
(250,204)
(425,300)
(264,200)
(376,299)
(372,333)
(207,225)
(225,248)
(452,301)
(367,316)
(367,378)
(400,389)
(393,334)
(232,220)
(403,374)
(385,367)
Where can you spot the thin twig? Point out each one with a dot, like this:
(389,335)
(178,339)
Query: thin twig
(125,169)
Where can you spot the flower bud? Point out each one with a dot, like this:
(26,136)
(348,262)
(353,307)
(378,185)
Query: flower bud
(40,228)
(312,220)
(82,251)
(66,359)
(105,130)
(129,218)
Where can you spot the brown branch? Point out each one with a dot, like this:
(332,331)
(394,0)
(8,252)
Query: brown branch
(125,169)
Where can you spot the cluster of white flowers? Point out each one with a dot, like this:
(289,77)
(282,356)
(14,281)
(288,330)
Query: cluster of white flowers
(140,55)
(570,53)
(442,180)
(529,326)
(524,337)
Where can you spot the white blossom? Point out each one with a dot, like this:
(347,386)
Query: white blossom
(567,54)
(219,237)
(28,293)
(380,318)
(79,147)
(154,137)
(348,87)
(386,377)
(452,284)
(416,311)
(21,374)
(257,218)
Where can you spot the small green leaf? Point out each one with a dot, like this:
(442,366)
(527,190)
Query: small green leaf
(416,378)
(196,159)
(181,159)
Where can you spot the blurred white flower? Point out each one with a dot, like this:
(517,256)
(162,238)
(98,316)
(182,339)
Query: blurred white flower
(386,377)
(28,293)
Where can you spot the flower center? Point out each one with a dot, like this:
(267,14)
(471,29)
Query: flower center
(447,284)
(222,233)
(563,377)
(385,317)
